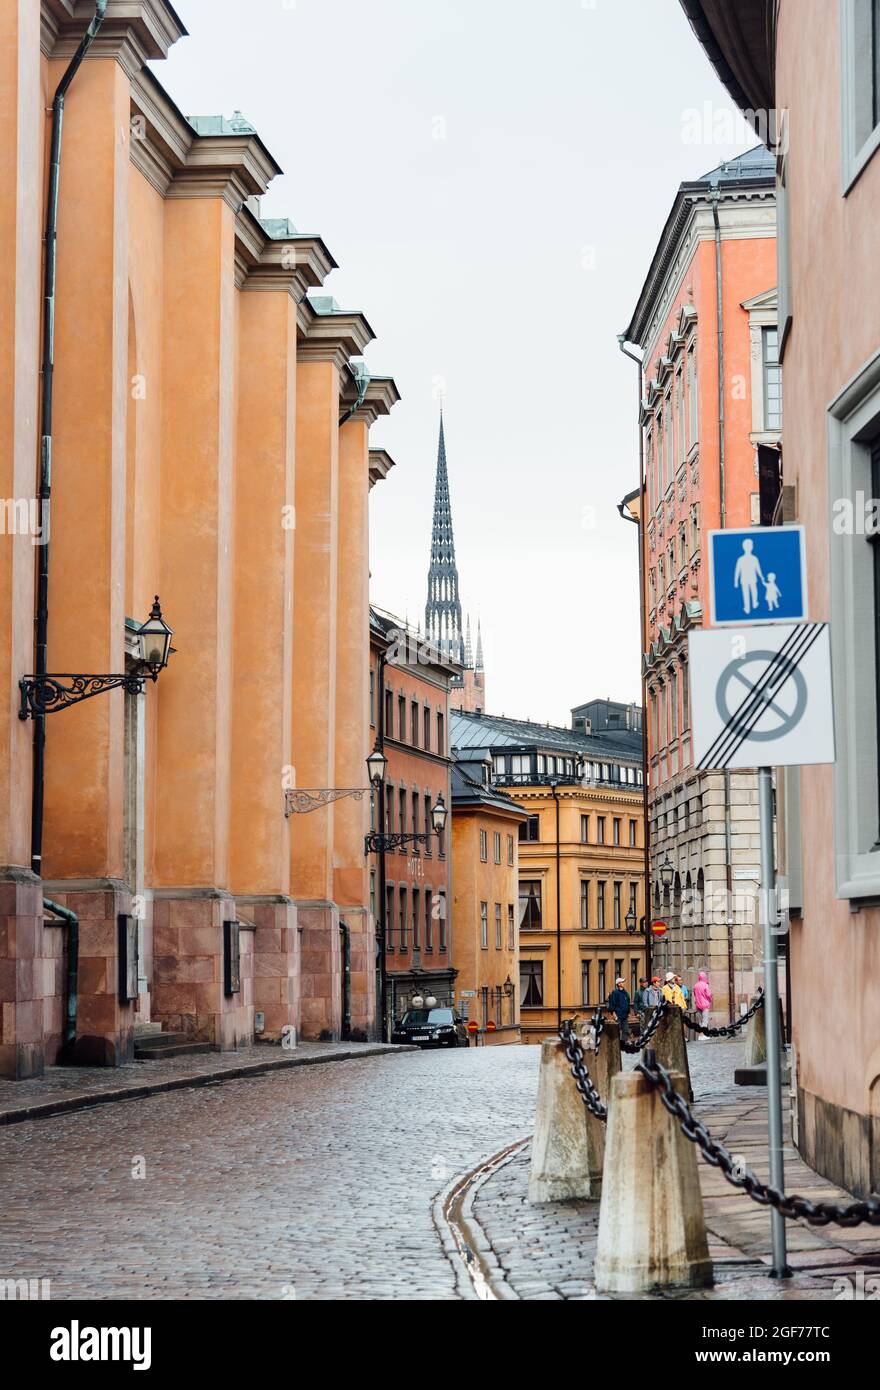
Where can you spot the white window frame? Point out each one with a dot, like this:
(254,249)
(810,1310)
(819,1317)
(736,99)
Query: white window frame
(854,419)
(856,86)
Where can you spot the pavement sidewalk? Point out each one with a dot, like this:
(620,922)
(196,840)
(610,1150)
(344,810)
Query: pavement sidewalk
(63,1089)
(547,1252)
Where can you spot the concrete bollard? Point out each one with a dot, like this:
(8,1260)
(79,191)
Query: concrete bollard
(652,1229)
(604,1065)
(670,1045)
(566,1156)
(756,1039)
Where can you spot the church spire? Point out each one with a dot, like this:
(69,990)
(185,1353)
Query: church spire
(468,649)
(479,666)
(443,609)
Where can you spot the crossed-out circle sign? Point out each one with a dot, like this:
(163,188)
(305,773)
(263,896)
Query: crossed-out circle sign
(781,714)
(658,928)
(473,1026)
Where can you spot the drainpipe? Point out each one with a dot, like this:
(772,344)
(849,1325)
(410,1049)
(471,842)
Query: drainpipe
(50,266)
(715,199)
(72,922)
(382,1002)
(643,615)
(362,380)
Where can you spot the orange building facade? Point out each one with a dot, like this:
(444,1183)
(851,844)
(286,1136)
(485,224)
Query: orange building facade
(485,856)
(210,444)
(410,886)
(706,322)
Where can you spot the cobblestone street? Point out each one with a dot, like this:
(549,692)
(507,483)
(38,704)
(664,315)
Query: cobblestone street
(319,1182)
(312,1183)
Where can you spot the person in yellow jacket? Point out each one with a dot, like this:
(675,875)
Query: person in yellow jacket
(672,994)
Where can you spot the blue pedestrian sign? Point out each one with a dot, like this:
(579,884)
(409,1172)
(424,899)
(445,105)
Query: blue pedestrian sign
(757,576)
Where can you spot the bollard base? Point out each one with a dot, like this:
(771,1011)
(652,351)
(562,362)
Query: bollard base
(567,1151)
(757,1076)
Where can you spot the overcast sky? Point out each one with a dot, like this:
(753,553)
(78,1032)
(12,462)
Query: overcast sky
(492,177)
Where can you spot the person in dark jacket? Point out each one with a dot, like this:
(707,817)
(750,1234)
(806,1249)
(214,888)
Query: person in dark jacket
(619,1005)
(640,1003)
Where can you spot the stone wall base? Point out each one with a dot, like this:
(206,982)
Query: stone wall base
(188,994)
(320,971)
(27,977)
(842,1145)
(276,964)
(104,1024)
(360,923)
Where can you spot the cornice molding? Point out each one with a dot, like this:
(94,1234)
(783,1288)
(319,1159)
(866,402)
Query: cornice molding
(381,464)
(232,167)
(381,398)
(335,337)
(134,31)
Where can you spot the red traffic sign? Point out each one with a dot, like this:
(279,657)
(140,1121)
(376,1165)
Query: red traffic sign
(659,928)
(490,1027)
(473,1026)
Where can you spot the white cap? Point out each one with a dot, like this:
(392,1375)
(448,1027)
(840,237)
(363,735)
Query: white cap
(621,981)
(669,977)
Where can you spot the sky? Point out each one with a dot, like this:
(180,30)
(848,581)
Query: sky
(492,177)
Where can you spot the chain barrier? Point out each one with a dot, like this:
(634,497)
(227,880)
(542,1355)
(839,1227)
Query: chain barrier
(582,1079)
(654,1022)
(732,1028)
(793,1208)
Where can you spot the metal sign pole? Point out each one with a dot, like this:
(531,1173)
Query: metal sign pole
(771,1017)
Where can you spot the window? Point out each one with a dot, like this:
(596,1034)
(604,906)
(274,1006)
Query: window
(496,847)
(600,828)
(499,939)
(585,982)
(401,798)
(585,904)
(401,718)
(414,722)
(389,714)
(618,890)
(633,833)
(685,699)
(416,924)
(679,395)
(531,983)
(373,893)
(673,701)
(404,944)
(600,904)
(510,850)
(860,85)
(617,830)
(484,1005)
(427,728)
(498,1018)
(429,847)
(603,981)
(441,735)
(530,918)
(484,846)
(853,476)
(633,978)
(585,830)
(373,698)
(693,399)
(441,843)
(441,917)
(632,902)
(772,379)
(389,919)
(484,926)
(511,928)
(530,830)
(670,442)
(429,920)
(618,970)
(415,819)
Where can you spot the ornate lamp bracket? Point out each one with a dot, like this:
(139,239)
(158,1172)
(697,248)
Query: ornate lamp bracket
(299,801)
(42,695)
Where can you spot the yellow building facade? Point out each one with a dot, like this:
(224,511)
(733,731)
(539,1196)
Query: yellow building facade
(485,876)
(580,854)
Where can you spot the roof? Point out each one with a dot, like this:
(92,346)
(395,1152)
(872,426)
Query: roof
(739,37)
(756,169)
(468,790)
(491,731)
(387,630)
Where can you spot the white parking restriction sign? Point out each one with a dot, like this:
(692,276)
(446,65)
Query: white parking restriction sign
(762,696)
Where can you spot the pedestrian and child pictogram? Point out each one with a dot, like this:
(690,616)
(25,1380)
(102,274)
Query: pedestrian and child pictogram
(757,576)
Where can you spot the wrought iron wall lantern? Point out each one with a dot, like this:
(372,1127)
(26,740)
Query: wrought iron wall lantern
(42,695)
(378,843)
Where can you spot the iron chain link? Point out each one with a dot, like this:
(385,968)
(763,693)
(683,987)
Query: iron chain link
(583,1081)
(794,1207)
(654,1022)
(732,1028)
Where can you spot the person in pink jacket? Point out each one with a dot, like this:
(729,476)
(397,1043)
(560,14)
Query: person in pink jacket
(703,999)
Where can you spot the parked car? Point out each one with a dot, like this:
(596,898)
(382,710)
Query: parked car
(431,1028)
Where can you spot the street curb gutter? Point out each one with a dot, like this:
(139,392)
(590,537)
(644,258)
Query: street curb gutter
(478,1271)
(40,1111)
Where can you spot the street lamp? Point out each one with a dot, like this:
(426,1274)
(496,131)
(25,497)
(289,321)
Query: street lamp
(377,766)
(438,815)
(48,693)
(667,872)
(631,922)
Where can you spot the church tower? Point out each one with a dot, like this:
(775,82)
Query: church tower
(443,620)
(443,609)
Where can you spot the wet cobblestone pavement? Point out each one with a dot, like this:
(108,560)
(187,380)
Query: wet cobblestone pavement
(311,1183)
(319,1183)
